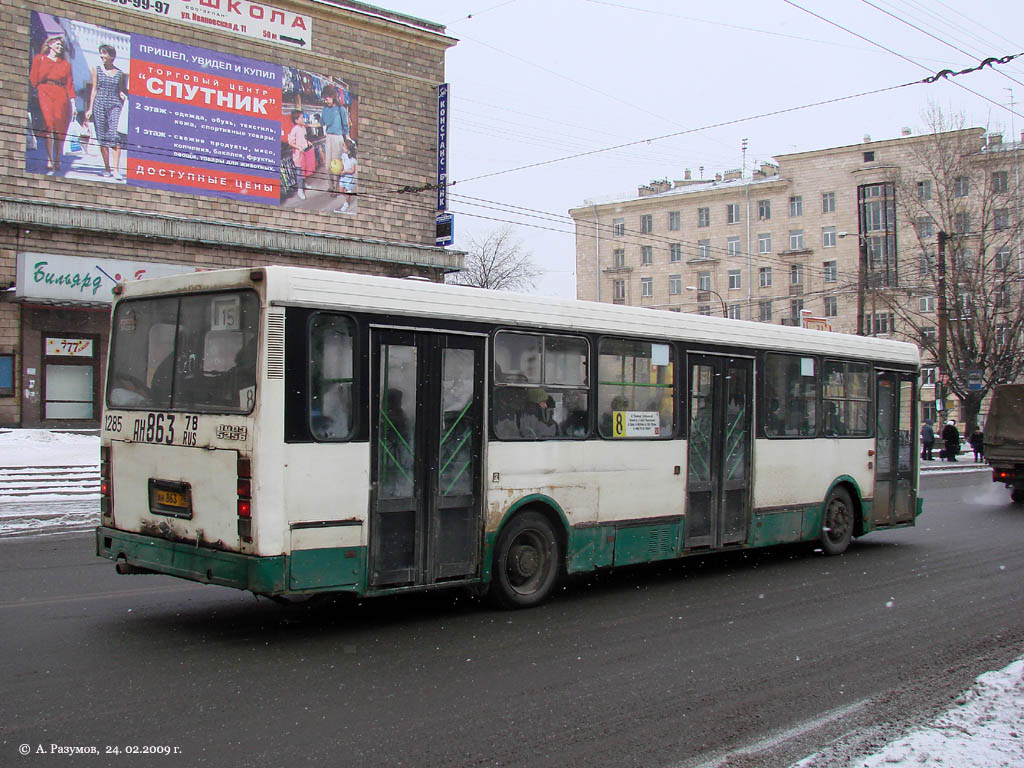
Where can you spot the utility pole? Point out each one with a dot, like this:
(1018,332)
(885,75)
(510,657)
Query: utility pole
(942,306)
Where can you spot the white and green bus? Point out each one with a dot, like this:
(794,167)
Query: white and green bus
(292,431)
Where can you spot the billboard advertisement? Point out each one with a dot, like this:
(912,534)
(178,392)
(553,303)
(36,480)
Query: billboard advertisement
(147,113)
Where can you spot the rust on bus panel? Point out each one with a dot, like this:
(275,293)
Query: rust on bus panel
(162,530)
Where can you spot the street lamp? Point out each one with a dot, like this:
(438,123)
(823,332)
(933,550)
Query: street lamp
(708,290)
(862,282)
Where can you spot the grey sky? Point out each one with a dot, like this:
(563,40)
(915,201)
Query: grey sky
(537,80)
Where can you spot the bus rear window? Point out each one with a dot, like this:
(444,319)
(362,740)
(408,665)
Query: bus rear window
(190,353)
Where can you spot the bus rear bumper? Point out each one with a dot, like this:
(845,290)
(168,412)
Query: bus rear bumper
(261,575)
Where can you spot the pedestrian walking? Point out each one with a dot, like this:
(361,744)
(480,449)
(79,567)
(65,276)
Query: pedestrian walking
(977,441)
(951,440)
(927,441)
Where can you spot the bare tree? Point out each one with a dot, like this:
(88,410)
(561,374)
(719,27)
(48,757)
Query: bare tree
(958,290)
(497,260)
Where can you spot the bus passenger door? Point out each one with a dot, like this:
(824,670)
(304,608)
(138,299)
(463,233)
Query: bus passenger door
(718,451)
(427,400)
(895,455)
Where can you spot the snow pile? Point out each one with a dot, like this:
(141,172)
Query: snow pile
(43,448)
(984,729)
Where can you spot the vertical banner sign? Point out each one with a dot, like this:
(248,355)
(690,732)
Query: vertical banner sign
(442,147)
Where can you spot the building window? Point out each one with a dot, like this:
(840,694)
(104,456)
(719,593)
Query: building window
(796,239)
(704,249)
(618,227)
(646,254)
(831,306)
(704,309)
(927,260)
(1003,257)
(6,375)
(703,281)
(877,209)
(764,310)
(1000,181)
(796,306)
(828,202)
(734,311)
(646,224)
(765,276)
(675,285)
(925,227)
(764,242)
(703,217)
(961,186)
(619,258)
(732,213)
(734,246)
(734,279)
(828,237)
(929,337)
(796,274)
(962,223)
(619,290)
(764,210)
(674,221)
(1001,218)
(675,252)
(928,375)
(647,287)
(924,190)
(869,157)
(796,206)
(831,271)
(879,323)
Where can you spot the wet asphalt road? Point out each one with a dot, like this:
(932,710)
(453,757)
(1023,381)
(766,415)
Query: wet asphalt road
(749,659)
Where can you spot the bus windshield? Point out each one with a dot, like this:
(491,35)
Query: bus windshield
(185,353)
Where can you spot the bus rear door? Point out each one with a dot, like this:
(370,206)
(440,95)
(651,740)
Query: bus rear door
(426,432)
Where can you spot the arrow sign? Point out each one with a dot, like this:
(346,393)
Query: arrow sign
(295,40)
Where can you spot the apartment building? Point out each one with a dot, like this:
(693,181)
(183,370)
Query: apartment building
(844,238)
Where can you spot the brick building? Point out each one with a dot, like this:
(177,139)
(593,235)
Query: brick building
(201,165)
(822,237)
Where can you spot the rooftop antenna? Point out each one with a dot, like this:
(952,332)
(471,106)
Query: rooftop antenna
(743,173)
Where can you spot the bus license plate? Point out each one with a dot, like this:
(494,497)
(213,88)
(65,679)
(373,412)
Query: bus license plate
(171,498)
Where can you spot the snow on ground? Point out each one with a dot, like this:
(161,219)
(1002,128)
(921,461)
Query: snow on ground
(984,729)
(47,510)
(43,448)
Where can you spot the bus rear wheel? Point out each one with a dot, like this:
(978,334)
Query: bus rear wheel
(527,561)
(837,522)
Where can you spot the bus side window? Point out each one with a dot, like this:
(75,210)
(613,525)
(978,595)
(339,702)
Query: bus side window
(331,377)
(791,393)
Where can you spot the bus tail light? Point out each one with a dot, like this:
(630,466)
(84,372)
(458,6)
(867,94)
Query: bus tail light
(244,492)
(1001,476)
(106,491)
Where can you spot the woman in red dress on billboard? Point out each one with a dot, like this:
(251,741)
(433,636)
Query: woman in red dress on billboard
(50,75)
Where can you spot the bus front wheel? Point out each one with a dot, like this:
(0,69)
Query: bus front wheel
(837,522)
(526,562)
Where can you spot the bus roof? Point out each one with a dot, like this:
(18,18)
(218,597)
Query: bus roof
(302,286)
